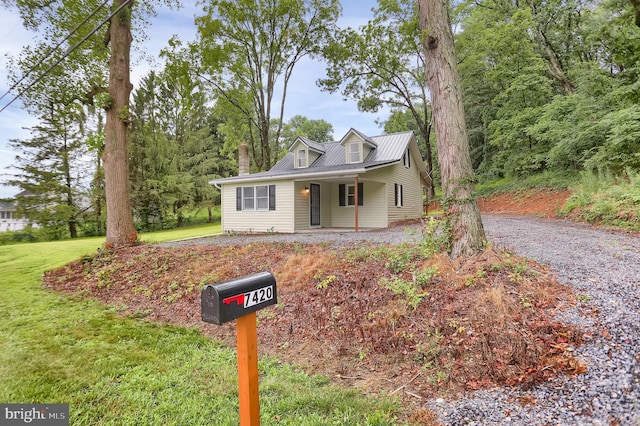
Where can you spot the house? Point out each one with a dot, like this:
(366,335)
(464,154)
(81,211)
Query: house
(9,219)
(359,181)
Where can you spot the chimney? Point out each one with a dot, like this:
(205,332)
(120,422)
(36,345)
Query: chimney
(243,159)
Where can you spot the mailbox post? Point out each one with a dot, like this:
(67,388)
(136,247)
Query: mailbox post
(239,299)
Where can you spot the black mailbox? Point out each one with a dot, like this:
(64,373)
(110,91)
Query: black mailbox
(228,300)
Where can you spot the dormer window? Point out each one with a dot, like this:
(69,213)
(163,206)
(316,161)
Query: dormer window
(302,158)
(354,152)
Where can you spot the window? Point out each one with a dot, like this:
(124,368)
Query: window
(351,195)
(301,158)
(247,198)
(398,195)
(354,152)
(5,215)
(347,194)
(261,197)
(406,159)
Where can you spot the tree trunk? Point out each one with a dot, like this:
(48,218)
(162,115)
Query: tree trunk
(120,228)
(464,224)
(636,11)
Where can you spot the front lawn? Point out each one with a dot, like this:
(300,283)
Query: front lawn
(116,370)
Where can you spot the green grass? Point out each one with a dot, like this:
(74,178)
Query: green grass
(124,371)
(551,180)
(181,233)
(605,199)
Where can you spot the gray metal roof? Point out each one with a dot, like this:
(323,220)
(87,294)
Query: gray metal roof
(314,146)
(386,150)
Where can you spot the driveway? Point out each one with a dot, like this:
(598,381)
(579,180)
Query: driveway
(604,269)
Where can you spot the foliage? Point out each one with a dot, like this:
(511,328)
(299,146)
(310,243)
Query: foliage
(554,180)
(48,340)
(361,68)
(52,173)
(549,86)
(25,235)
(346,314)
(604,198)
(250,53)
(300,126)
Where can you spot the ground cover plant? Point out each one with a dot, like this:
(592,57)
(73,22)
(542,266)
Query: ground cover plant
(391,320)
(115,369)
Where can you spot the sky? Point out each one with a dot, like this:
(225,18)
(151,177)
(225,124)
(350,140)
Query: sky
(303,95)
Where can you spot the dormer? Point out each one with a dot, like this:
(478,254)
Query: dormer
(305,152)
(357,146)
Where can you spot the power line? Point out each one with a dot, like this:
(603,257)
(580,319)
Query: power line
(67,53)
(73,31)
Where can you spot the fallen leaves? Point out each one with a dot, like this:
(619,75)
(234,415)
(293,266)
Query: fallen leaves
(472,331)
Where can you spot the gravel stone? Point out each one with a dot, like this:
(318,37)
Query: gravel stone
(604,269)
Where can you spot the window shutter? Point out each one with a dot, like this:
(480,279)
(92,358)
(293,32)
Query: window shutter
(408,162)
(401,196)
(272,197)
(239,198)
(395,193)
(360,194)
(341,190)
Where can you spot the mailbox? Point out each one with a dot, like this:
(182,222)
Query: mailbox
(229,300)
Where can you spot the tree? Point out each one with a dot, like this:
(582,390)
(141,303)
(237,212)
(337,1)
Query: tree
(402,120)
(51,171)
(120,228)
(252,47)
(84,52)
(461,208)
(300,126)
(383,64)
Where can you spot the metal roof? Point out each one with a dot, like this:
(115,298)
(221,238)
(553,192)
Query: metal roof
(386,150)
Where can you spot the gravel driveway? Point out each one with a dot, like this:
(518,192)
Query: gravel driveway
(604,268)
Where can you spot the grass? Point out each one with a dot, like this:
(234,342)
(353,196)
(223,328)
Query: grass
(545,180)
(125,371)
(604,199)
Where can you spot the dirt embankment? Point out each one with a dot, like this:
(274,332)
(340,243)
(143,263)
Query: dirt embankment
(543,203)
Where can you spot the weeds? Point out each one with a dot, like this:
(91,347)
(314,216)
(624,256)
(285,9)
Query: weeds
(607,199)
(408,290)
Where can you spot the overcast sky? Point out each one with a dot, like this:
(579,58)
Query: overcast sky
(303,96)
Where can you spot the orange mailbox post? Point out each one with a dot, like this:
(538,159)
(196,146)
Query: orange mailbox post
(239,299)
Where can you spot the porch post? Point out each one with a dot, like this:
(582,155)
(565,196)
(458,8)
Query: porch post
(355,184)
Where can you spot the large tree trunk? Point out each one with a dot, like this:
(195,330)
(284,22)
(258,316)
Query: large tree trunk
(467,235)
(636,11)
(120,228)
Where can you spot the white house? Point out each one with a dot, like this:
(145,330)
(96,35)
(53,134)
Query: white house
(9,220)
(356,182)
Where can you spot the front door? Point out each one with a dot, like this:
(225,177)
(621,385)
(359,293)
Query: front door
(314,204)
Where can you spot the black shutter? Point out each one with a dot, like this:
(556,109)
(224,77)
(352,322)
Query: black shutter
(408,160)
(239,198)
(401,196)
(360,194)
(395,194)
(341,190)
(272,197)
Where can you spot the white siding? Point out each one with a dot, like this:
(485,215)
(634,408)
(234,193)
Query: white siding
(325,204)
(301,205)
(279,220)
(409,178)
(370,215)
